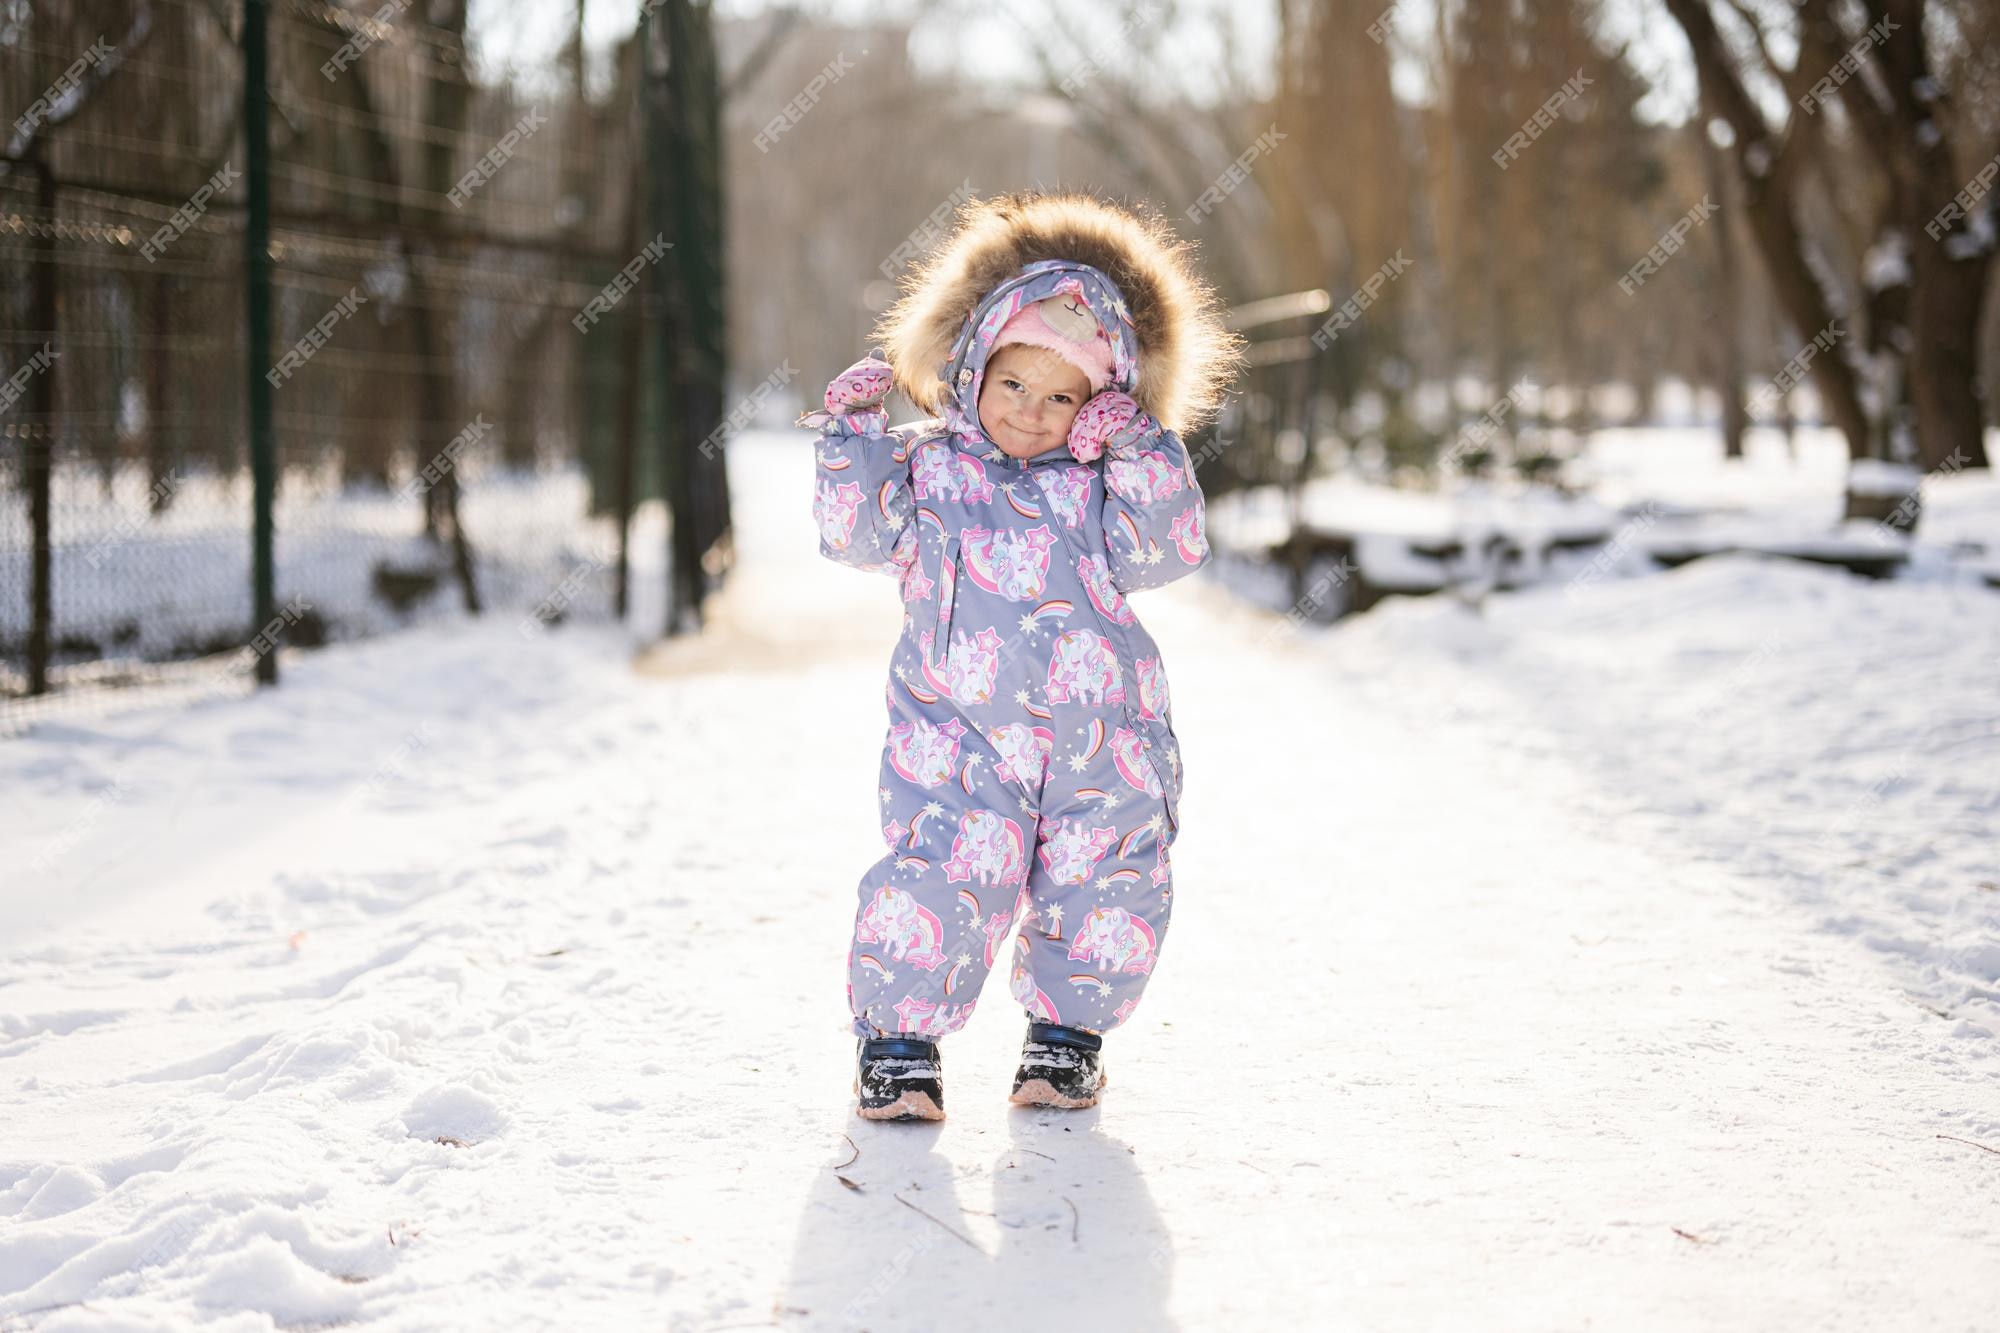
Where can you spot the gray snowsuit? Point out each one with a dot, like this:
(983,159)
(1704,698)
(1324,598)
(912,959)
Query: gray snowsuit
(1030,772)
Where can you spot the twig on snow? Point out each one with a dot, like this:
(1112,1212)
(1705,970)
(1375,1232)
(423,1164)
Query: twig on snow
(842,1166)
(1982,1147)
(1075,1219)
(1689,1235)
(946,1225)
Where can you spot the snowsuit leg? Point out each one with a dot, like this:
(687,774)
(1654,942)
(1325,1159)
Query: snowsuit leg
(1100,892)
(934,911)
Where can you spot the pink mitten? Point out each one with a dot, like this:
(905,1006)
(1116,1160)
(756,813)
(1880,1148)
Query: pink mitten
(1109,422)
(856,393)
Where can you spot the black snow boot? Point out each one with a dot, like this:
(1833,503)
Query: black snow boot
(900,1078)
(1059,1067)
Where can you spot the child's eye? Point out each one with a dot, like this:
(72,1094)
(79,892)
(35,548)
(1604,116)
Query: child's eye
(1012,384)
(1060,397)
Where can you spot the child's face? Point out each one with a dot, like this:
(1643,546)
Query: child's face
(1028,398)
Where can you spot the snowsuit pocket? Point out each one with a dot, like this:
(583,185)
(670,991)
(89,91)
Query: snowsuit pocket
(936,618)
(1156,736)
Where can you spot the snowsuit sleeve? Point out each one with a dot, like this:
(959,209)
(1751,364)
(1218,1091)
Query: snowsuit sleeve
(863,499)
(1154,520)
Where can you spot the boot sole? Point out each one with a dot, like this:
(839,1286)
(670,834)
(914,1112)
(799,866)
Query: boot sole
(1040,1092)
(909,1106)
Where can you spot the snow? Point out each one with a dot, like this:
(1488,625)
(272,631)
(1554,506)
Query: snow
(1624,954)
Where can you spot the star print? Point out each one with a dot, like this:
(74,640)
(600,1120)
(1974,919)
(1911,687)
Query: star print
(1158,823)
(1055,916)
(933,808)
(902,673)
(1027,806)
(1027,622)
(1021,697)
(1077,763)
(965,960)
(896,521)
(974,760)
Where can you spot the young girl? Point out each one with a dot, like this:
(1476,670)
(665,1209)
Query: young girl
(1031,773)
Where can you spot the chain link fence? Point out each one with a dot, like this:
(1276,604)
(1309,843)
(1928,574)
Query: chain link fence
(462,285)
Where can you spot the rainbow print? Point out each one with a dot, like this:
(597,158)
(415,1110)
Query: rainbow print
(1082,980)
(1096,741)
(1056,608)
(873,964)
(966,898)
(1024,510)
(1132,840)
(916,863)
(1037,710)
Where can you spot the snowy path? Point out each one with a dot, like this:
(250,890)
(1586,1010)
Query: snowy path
(1509,1045)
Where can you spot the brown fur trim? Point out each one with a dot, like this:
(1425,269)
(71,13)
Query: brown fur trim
(1188,359)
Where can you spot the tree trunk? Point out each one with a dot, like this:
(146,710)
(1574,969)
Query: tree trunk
(1768,208)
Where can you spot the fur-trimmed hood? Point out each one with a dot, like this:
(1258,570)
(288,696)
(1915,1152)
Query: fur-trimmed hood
(1176,358)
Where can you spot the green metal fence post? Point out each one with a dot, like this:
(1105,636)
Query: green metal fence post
(257,297)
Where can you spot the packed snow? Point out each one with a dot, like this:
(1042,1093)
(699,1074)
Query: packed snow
(1620,953)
